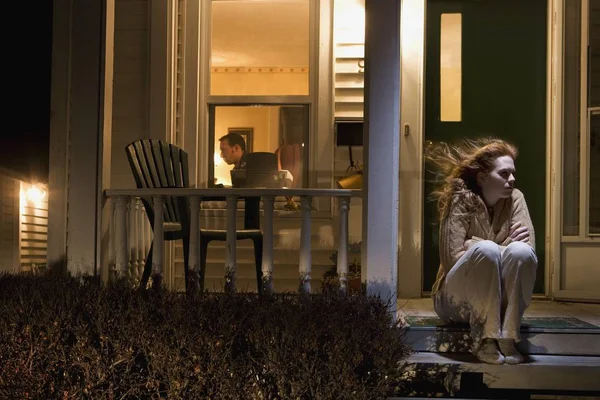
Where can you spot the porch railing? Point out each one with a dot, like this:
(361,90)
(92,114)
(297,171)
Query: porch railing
(129,247)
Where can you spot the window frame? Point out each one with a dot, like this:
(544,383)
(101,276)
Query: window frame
(320,12)
(585,111)
(212,137)
(585,123)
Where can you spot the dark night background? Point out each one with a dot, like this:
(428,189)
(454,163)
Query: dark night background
(27,70)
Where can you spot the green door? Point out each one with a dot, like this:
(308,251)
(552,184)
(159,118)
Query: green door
(502,89)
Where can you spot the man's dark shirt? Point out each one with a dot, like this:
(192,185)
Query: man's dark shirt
(242,162)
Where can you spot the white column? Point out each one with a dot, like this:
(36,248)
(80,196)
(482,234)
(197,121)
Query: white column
(230,257)
(381,149)
(342,255)
(159,243)
(267,258)
(194,260)
(122,259)
(305,236)
(79,140)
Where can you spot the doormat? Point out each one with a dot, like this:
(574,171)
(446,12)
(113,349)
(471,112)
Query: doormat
(528,322)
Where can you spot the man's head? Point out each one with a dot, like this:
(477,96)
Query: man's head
(232,148)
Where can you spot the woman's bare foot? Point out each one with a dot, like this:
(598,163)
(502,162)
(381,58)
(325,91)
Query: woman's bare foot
(511,354)
(488,352)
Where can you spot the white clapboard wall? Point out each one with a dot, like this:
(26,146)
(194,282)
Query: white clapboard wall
(33,228)
(9,224)
(349,80)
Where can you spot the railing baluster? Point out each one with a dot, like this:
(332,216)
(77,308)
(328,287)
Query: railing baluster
(267,258)
(143,238)
(111,239)
(342,255)
(193,283)
(121,237)
(137,231)
(231,255)
(158,244)
(305,246)
(131,234)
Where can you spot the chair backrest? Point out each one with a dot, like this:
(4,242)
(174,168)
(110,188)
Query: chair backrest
(261,169)
(157,164)
(262,162)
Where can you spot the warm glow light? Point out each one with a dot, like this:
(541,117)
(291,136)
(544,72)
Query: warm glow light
(32,195)
(35,194)
(218,159)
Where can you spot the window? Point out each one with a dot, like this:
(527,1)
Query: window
(266,128)
(451,67)
(581,113)
(594,170)
(259,48)
(572,116)
(594,116)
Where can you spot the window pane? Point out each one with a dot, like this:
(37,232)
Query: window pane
(571,109)
(595,173)
(451,67)
(594,63)
(260,47)
(275,129)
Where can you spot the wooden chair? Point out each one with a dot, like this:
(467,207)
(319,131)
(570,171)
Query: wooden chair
(157,164)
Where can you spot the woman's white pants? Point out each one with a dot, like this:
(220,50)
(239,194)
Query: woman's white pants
(489,288)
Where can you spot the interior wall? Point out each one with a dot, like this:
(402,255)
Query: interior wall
(259,81)
(265,124)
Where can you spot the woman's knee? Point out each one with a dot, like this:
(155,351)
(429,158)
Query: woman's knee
(522,252)
(487,250)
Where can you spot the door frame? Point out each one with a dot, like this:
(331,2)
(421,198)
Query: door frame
(412,115)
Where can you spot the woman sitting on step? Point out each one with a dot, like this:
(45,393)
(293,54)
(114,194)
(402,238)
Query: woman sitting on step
(487,246)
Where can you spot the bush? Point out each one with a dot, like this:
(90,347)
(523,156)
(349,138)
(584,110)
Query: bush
(63,337)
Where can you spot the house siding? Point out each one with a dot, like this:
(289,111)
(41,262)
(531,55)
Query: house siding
(33,232)
(130,85)
(9,224)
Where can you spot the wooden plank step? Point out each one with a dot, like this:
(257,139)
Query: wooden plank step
(537,373)
(540,335)
(534,341)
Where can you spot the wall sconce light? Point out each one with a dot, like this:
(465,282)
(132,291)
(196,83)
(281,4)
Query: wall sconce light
(35,194)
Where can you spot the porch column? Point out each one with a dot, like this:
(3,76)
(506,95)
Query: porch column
(381,149)
(80,66)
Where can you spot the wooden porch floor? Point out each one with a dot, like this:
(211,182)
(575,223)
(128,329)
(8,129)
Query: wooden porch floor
(587,312)
(560,342)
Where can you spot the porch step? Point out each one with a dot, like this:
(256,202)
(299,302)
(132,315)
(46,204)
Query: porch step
(540,336)
(538,373)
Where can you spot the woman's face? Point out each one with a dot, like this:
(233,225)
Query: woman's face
(499,182)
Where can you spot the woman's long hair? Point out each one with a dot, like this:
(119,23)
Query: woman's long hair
(457,166)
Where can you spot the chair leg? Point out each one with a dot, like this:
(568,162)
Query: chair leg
(203,251)
(258,250)
(186,262)
(147,269)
